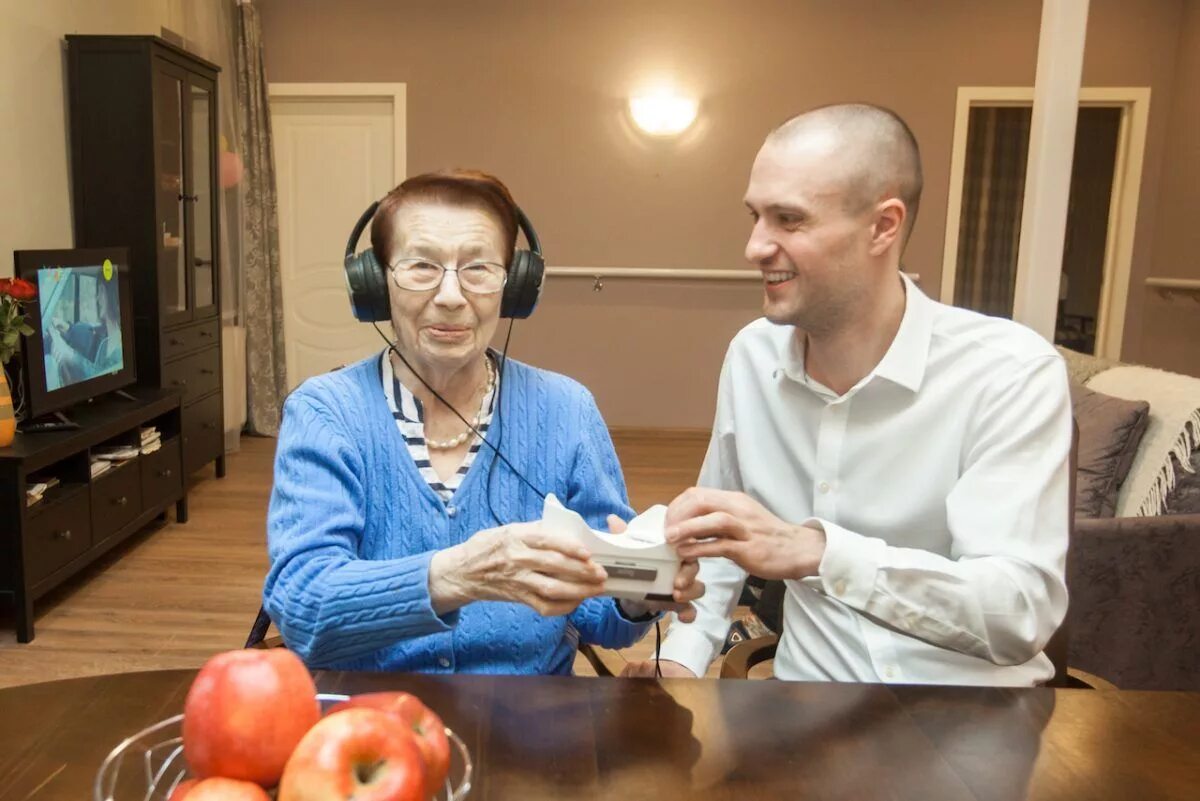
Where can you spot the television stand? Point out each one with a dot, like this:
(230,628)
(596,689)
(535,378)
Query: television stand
(77,513)
(57,422)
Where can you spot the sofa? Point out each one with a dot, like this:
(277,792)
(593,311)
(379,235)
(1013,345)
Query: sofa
(1134,571)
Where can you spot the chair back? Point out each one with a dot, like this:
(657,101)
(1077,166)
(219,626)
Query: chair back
(1057,648)
(258,633)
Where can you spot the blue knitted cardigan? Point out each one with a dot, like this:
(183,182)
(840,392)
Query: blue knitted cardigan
(352,527)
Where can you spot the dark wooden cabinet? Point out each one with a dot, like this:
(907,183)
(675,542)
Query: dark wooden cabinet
(83,517)
(144,174)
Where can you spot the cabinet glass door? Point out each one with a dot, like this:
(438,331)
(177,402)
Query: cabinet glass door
(168,141)
(201,198)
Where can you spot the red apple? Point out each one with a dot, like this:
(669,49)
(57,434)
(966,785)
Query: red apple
(182,789)
(245,712)
(360,754)
(222,789)
(426,725)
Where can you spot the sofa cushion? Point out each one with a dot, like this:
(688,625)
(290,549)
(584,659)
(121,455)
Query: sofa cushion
(1171,436)
(1110,430)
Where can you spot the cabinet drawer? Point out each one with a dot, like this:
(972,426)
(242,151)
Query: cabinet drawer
(197,375)
(177,342)
(57,535)
(203,433)
(116,499)
(162,475)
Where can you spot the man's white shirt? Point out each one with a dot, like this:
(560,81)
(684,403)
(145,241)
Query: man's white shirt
(940,481)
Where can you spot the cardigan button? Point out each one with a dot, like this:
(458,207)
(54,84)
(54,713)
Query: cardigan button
(451,511)
(444,662)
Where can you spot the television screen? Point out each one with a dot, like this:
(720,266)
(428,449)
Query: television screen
(81,323)
(82,345)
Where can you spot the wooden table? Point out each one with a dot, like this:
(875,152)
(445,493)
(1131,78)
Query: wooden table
(581,738)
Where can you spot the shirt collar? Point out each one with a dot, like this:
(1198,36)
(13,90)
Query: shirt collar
(400,399)
(906,358)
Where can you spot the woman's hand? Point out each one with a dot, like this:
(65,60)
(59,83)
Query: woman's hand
(522,563)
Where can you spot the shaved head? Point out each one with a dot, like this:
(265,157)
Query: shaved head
(875,153)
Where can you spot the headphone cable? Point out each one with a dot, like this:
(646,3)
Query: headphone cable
(392,347)
(499,437)
(496,449)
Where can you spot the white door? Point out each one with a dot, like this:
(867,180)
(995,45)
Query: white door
(337,149)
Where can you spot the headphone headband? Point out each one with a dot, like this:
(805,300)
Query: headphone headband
(361,226)
(367,283)
(523,223)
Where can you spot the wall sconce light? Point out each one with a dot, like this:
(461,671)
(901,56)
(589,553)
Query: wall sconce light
(662,112)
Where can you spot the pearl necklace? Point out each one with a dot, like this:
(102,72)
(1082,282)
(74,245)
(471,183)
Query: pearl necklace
(454,442)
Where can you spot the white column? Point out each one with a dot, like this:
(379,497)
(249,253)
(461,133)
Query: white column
(1048,174)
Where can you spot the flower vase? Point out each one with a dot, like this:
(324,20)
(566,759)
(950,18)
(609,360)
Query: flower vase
(8,421)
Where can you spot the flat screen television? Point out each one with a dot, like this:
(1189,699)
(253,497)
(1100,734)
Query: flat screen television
(82,341)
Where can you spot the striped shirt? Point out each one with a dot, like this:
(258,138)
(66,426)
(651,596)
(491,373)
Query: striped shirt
(410,421)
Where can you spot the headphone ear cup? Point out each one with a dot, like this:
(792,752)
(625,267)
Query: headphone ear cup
(366,282)
(524,285)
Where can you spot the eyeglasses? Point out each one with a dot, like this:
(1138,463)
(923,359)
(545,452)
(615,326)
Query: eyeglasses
(420,275)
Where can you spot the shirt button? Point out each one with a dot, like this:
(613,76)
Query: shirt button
(444,662)
(823,487)
(840,587)
(889,672)
(451,511)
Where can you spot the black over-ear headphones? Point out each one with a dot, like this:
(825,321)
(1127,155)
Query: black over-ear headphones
(366,278)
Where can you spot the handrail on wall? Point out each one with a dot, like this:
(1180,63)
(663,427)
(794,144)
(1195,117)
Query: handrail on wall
(598,274)
(1168,288)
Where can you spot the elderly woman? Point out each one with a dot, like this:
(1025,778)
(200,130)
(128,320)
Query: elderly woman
(396,541)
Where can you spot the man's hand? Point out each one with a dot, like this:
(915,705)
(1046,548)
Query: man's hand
(686,590)
(645,670)
(709,522)
(551,573)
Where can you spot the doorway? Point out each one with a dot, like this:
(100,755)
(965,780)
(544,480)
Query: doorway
(338,148)
(987,196)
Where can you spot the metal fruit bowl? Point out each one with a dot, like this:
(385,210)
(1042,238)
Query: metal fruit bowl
(148,765)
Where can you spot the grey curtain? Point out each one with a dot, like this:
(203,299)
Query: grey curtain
(266,365)
(990,226)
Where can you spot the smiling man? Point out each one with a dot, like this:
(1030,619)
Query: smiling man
(900,464)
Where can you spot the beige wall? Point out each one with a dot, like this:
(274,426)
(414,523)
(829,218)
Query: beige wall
(534,91)
(1170,334)
(35,197)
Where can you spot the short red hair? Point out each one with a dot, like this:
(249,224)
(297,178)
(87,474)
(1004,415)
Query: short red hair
(453,188)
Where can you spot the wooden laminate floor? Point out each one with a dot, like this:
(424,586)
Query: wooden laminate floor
(175,594)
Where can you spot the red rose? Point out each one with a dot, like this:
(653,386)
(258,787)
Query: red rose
(18,289)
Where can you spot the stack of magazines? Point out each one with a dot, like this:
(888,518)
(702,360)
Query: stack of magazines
(116,453)
(37,489)
(151,439)
(99,465)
